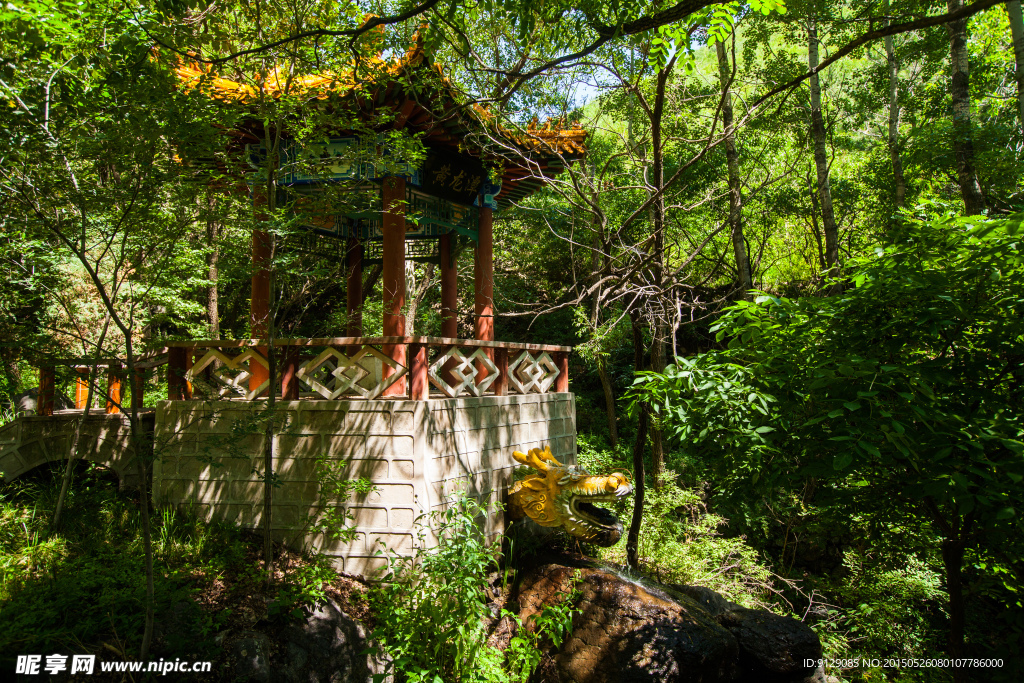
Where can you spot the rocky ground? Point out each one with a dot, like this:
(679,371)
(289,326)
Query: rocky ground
(626,629)
(631,629)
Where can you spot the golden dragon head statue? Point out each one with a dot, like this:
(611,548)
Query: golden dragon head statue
(563,495)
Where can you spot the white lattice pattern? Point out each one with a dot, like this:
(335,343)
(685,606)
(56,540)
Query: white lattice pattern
(464,371)
(333,374)
(530,373)
(233,373)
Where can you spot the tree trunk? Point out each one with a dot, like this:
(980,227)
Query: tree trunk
(416,292)
(814,220)
(76,436)
(732,159)
(953,561)
(212,259)
(1017,31)
(142,444)
(657,443)
(894,120)
(595,320)
(370,281)
(828,218)
(955,535)
(658,262)
(609,401)
(959,89)
(633,537)
(268,434)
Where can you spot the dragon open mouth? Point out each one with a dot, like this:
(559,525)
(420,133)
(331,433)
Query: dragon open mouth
(601,526)
(594,514)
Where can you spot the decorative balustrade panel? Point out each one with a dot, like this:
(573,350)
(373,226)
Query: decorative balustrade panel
(464,371)
(325,368)
(333,374)
(532,374)
(229,374)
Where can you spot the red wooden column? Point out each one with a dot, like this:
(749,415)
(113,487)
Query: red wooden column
(44,397)
(354,292)
(259,304)
(483,285)
(138,387)
(449,289)
(501,360)
(289,367)
(393,276)
(81,388)
(113,389)
(419,385)
(561,359)
(179,361)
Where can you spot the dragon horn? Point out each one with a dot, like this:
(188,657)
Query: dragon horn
(546,455)
(533,459)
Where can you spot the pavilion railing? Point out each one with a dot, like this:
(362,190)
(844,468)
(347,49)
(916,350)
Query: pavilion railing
(365,367)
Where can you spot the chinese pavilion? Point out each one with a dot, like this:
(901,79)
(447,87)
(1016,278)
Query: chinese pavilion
(420,417)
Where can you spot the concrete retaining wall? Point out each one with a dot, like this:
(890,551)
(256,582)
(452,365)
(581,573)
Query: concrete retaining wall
(210,456)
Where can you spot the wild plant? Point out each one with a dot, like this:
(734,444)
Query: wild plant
(431,606)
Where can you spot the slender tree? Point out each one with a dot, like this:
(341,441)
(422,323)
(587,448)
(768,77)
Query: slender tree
(1017,32)
(819,143)
(959,90)
(892,138)
(726,74)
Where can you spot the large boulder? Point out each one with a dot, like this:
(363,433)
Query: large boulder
(772,647)
(632,629)
(327,647)
(250,657)
(629,631)
(25,403)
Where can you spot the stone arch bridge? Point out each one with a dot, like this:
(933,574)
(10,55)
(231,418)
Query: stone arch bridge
(31,441)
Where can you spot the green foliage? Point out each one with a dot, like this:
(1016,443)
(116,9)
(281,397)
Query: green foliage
(904,381)
(330,516)
(898,398)
(431,609)
(92,569)
(681,542)
(305,586)
(891,609)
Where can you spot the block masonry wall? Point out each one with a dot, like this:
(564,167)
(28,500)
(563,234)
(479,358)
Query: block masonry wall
(417,454)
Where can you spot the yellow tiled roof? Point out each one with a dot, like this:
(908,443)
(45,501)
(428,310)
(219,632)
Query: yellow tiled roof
(551,138)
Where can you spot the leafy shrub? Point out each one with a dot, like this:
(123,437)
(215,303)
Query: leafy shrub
(431,609)
(680,542)
(889,607)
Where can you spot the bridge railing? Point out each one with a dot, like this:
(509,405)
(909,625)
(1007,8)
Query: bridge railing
(365,367)
(112,393)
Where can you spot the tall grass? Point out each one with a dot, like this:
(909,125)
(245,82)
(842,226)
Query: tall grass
(85,582)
